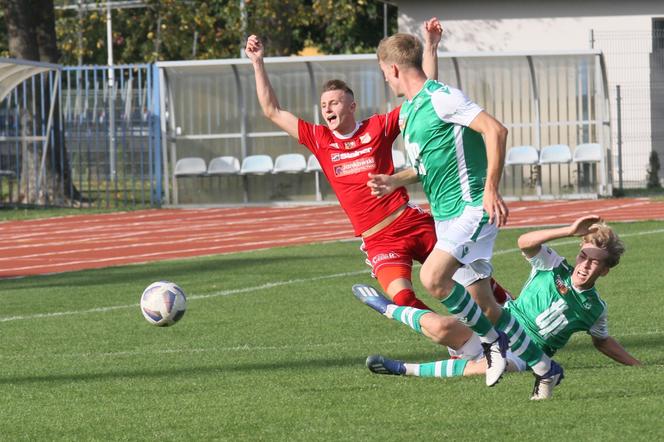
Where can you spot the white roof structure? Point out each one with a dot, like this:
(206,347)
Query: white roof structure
(14,71)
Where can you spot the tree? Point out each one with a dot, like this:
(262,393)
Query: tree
(186,29)
(31,36)
(653,171)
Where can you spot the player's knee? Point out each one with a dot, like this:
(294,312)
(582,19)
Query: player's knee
(442,329)
(435,285)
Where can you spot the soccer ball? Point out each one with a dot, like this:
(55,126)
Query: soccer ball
(163,303)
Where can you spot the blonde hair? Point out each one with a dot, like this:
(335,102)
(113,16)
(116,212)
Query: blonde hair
(604,237)
(404,50)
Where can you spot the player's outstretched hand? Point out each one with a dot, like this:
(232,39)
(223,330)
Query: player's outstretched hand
(254,48)
(381,184)
(495,207)
(583,226)
(432,31)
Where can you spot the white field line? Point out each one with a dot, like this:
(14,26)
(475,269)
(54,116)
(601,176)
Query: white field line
(264,286)
(209,295)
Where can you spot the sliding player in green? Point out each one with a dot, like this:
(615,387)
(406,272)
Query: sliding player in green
(557,301)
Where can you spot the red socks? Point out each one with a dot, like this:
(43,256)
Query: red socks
(407,298)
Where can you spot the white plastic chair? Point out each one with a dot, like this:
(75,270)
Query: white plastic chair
(559,154)
(555,154)
(256,165)
(313,165)
(190,166)
(225,165)
(521,155)
(517,157)
(587,153)
(398,159)
(290,163)
(588,159)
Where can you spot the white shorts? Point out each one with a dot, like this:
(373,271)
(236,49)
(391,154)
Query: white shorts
(469,238)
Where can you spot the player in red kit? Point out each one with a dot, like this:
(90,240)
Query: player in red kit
(394,232)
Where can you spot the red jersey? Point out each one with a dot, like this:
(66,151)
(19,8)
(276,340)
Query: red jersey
(347,161)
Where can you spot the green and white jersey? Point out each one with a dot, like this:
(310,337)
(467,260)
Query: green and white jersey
(551,309)
(449,157)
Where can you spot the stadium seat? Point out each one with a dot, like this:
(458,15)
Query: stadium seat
(190,166)
(256,165)
(521,155)
(399,159)
(587,157)
(555,154)
(313,165)
(290,163)
(225,165)
(587,153)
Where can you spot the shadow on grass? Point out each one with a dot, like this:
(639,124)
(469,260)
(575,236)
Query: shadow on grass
(189,372)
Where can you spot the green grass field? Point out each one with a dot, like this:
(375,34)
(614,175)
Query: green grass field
(273,345)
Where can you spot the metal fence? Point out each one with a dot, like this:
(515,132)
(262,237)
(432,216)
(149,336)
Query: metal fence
(111,129)
(543,99)
(95,147)
(636,62)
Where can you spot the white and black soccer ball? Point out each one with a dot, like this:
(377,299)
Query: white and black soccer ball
(163,303)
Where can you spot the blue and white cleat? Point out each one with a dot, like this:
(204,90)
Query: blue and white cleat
(370,296)
(544,384)
(381,365)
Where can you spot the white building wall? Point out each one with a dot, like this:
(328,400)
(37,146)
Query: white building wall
(622,32)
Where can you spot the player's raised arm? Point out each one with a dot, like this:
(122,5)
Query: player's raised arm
(612,348)
(266,96)
(432,31)
(530,242)
(495,138)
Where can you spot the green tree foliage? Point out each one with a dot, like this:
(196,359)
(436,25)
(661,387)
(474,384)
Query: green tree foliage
(346,26)
(189,29)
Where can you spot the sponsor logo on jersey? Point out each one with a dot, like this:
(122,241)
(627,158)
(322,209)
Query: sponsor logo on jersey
(364,139)
(383,257)
(348,155)
(353,167)
(335,145)
(560,285)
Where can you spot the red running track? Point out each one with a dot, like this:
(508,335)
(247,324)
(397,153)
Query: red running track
(92,241)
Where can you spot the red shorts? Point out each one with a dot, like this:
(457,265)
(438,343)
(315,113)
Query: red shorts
(412,236)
